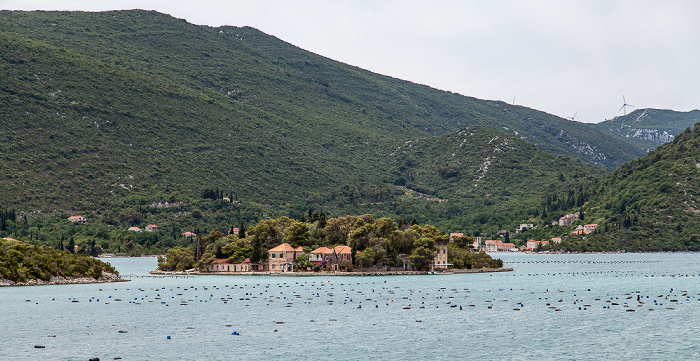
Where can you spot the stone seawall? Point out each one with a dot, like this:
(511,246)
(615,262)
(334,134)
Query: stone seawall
(340,273)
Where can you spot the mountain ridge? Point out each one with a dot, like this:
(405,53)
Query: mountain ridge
(648,128)
(277,77)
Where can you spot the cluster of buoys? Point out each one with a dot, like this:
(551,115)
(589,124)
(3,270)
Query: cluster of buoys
(362,295)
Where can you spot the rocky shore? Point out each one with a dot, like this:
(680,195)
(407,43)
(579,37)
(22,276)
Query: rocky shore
(56,280)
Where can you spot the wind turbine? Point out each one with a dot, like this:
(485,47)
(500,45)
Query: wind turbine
(574,117)
(625,105)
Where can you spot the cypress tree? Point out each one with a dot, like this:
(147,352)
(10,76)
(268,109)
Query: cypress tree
(241,229)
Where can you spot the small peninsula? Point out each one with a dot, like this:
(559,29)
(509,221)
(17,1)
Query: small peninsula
(22,264)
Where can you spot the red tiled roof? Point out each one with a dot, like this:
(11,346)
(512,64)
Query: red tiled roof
(284,247)
(342,249)
(220,261)
(322,250)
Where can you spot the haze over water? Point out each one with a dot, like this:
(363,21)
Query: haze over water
(551,307)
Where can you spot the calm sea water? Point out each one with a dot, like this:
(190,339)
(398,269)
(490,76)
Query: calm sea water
(573,307)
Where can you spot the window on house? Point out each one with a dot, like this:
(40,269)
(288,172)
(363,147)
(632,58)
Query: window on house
(273,255)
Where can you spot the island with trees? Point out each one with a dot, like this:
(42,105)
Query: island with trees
(22,264)
(357,244)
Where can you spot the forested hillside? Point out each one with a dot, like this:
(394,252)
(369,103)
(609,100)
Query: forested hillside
(649,204)
(481,176)
(136,117)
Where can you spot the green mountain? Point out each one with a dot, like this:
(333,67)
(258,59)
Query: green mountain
(648,128)
(113,112)
(649,204)
(252,68)
(482,176)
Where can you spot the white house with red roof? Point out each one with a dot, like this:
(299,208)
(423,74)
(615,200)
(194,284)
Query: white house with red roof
(318,255)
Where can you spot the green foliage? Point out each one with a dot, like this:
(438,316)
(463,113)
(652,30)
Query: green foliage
(177,259)
(649,204)
(423,253)
(21,262)
(121,110)
(374,242)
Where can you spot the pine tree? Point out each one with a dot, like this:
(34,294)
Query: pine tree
(241,229)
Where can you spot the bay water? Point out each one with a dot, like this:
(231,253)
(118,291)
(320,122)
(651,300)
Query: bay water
(558,307)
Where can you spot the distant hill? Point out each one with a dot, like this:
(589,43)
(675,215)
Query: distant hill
(486,176)
(649,204)
(648,128)
(120,109)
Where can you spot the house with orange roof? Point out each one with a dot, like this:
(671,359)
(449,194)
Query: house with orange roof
(189,235)
(77,219)
(589,228)
(336,255)
(283,257)
(223,265)
(455,235)
(318,255)
(134,229)
(506,247)
(492,245)
(151,228)
(532,244)
(568,219)
(556,239)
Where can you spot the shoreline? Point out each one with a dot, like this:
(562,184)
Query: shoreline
(339,273)
(57,280)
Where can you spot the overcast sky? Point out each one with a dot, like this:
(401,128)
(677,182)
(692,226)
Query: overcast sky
(558,56)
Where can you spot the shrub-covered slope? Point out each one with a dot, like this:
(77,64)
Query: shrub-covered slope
(649,204)
(250,67)
(648,128)
(493,176)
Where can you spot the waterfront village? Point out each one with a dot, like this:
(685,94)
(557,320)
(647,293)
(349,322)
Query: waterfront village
(283,258)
